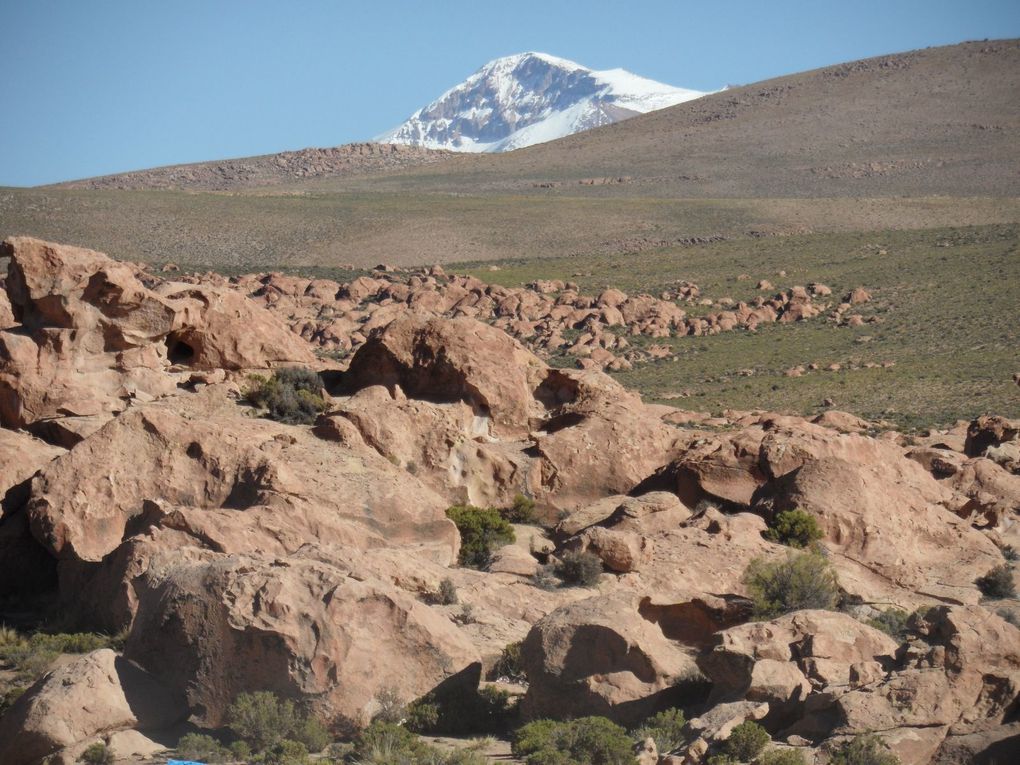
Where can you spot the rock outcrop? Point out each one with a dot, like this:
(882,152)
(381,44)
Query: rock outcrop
(67,709)
(141,492)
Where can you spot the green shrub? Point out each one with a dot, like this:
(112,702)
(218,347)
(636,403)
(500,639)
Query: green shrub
(545,578)
(802,580)
(391,708)
(781,757)
(264,721)
(240,750)
(997,583)
(1010,553)
(509,663)
(585,741)
(291,395)
(32,655)
(387,744)
(795,528)
(311,734)
(261,719)
(481,532)
(666,728)
(578,568)
(198,746)
(487,710)
(422,715)
(521,511)
(893,622)
(98,754)
(285,752)
(746,741)
(864,750)
(10,696)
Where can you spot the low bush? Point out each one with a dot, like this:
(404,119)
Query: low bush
(893,622)
(521,511)
(285,752)
(29,656)
(746,741)
(781,757)
(1010,553)
(864,750)
(584,741)
(388,744)
(488,710)
(291,395)
(509,663)
(795,528)
(481,532)
(666,728)
(802,580)
(98,754)
(997,583)
(579,568)
(545,578)
(264,721)
(198,746)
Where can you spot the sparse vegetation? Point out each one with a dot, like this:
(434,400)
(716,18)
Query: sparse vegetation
(199,746)
(801,580)
(481,532)
(293,395)
(545,578)
(746,741)
(780,757)
(1010,553)
(29,656)
(893,622)
(666,728)
(388,744)
(579,568)
(509,663)
(584,741)
(795,528)
(521,511)
(265,721)
(446,595)
(98,754)
(864,750)
(488,710)
(997,583)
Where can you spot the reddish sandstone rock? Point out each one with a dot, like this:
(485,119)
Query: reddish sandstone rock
(199,452)
(599,657)
(96,693)
(300,626)
(454,360)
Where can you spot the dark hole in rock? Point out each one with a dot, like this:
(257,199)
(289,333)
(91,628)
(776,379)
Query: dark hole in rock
(178,351)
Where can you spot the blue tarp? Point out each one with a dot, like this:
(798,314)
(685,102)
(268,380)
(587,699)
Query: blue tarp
(183,762)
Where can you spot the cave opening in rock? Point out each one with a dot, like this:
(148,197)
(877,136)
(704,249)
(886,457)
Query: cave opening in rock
(178,351)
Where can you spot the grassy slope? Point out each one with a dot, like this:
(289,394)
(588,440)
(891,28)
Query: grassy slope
(946,299)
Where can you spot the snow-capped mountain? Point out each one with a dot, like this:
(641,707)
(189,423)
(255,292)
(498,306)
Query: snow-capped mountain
(531,98)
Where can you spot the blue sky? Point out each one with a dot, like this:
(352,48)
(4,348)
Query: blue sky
(111,85)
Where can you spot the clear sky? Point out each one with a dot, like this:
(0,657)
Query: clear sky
(103,86)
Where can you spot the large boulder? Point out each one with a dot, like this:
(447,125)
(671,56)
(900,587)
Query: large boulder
(600,440)
(303,626)
(890,541)
(600,656)
(99,692)
(94,336)
(454,360)
(244,483)
(219,328)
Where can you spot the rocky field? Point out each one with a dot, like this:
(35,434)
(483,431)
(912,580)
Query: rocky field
(247,518)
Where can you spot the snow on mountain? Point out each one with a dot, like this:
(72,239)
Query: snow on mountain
(531,98)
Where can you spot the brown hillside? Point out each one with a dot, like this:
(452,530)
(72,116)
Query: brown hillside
(268,169)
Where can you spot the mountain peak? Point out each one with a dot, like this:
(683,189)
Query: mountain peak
(528,98)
